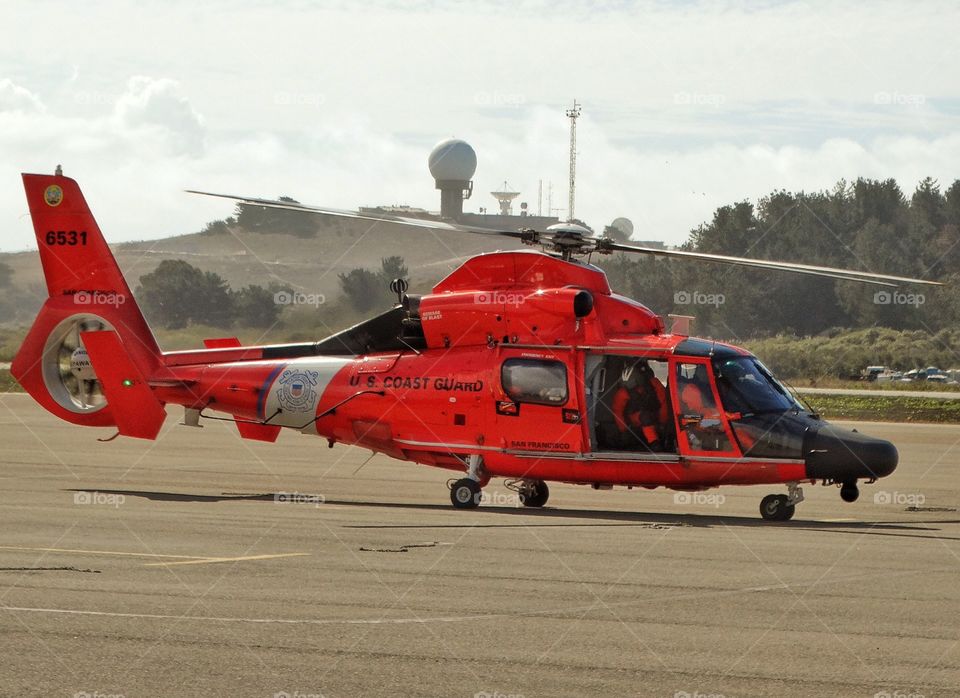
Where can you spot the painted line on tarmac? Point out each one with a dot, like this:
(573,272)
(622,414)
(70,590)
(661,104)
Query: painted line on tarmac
(74,551)
(683,596)
(261,621)
(175,559)
(214,560)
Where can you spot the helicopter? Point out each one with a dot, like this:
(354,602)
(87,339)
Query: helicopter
(521,364)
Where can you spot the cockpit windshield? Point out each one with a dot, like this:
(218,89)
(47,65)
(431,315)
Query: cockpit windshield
(747,387)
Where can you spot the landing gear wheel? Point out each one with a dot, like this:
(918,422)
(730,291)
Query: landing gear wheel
(776,507)
(849,492)
(465,494)
(534,493)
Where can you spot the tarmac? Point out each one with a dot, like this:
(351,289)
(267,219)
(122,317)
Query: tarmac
(205,565)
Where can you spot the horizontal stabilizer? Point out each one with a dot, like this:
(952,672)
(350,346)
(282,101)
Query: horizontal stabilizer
(134,407)
(258,432)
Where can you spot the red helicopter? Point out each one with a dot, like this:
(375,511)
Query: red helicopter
(522,365)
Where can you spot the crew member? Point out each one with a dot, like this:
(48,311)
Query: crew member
(697,408)
(640,408)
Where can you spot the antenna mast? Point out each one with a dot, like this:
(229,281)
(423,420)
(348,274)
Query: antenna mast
(572,114)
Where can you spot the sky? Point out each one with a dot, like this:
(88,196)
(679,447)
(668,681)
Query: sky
(686,106)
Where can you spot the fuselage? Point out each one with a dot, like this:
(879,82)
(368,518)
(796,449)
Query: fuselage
(522,372)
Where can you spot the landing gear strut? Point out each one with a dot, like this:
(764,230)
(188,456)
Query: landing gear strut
(781,507)
(466,492)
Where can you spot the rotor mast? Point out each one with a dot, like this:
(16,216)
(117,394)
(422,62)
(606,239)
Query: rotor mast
(572,114)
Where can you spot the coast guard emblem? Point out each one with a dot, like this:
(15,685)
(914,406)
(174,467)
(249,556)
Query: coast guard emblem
(53,195)
(296,390)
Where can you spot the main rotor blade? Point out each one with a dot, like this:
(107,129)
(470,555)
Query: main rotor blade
(360,215)
(829,272)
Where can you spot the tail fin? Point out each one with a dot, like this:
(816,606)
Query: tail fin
(87,293)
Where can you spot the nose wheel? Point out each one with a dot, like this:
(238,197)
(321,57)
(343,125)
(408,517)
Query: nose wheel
(781,507)
(776,507)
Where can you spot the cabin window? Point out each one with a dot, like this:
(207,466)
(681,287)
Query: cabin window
(535,380)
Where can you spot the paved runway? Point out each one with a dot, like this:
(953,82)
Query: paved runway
(172,568)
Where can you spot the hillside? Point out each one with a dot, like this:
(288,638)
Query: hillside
(308,264)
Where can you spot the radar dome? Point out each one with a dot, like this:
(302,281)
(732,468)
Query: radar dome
(453,160)
(624,225)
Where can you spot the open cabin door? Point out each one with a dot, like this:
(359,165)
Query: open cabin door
(629,408)
(701,423)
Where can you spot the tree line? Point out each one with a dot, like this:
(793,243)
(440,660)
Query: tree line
(868,225)
(177,294)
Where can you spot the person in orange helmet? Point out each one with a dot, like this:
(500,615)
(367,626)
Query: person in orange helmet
(640,408)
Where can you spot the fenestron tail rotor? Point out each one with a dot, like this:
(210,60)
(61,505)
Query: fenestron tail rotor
(67,370)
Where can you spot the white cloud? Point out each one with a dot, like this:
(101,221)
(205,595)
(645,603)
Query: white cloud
(157,106)
(341,108)
(14,98)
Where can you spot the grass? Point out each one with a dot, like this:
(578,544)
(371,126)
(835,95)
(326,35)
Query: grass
(7,383)
(886,408)
(886,386)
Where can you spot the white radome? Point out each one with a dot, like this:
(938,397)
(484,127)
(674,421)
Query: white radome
(453,159)
(624,225)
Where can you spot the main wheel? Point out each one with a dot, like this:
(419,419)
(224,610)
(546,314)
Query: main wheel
(776,507)
(534,494)
(465,494)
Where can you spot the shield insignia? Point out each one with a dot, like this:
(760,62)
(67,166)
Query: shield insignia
(53,195)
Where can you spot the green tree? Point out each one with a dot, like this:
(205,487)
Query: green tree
(256,306)
(393,268)
(366,290)
(362,287)
(177,293)
(615,233)
(262,219)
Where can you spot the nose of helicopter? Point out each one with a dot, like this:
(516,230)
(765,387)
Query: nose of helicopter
(843,455)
